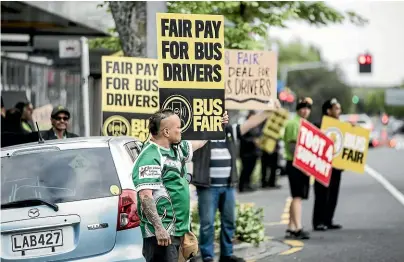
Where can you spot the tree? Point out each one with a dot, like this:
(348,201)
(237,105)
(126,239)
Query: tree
(374,104)
(244,19)
(319,84)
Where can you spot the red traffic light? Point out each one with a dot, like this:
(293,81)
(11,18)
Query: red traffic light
(283,96)
(290,98)
(385,119)
(365,59)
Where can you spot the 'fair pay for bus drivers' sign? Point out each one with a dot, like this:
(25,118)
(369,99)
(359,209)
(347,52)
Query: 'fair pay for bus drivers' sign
(250,79)
(351,144)
(191,71)
(314,153)
(129,95)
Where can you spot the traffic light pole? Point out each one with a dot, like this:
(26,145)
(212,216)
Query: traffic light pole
(299,67)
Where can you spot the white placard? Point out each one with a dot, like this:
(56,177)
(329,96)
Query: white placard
(394,97)
(69,49)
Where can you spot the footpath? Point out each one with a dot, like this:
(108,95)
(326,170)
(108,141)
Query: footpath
(275,204)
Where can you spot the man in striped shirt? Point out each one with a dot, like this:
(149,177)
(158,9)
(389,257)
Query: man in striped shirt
(215,177)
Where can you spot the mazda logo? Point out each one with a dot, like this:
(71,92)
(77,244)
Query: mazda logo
(34,212)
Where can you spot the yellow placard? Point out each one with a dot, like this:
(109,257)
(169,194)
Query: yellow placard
(250,79)
(190,51)
(129,85)
(351,144)
(272,130)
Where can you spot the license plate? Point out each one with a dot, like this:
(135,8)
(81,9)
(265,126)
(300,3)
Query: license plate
(36,240)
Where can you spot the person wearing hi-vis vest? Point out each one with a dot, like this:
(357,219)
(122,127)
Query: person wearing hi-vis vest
(215,177)
(298,181)
(326,198)
(26,110)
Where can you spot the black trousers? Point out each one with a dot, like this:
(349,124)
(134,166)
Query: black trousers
(248,163)
(269,161)
(152,252)
(326,200)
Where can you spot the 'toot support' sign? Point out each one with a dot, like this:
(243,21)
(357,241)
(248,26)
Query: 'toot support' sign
(314,153)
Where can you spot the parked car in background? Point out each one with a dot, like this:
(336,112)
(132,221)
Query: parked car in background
(397,141)
(70,200)
(364,121)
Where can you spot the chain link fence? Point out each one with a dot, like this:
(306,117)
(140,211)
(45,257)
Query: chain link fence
(45,85)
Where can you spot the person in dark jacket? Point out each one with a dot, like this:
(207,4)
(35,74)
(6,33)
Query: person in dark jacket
(215,176)
(249,153)
(60,120)
(270,161)
(26,110)
(12,121)
(326,198)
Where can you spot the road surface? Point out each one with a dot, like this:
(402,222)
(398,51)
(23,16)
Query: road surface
(372,216)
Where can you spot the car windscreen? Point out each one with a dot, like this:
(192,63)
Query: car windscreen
(58,176)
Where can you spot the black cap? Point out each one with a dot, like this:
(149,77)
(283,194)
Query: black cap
(328,105)
(304,102)
(60,109)
(21,105)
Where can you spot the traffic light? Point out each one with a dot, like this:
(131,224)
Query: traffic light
(355,99)
(385,119)
(365,63)
(287,96)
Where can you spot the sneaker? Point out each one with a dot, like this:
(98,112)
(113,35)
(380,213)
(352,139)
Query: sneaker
(231,259)
(334,226)
(289,233)
(301,234)
(320,227)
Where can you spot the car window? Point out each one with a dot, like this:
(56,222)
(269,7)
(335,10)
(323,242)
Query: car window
(58,176)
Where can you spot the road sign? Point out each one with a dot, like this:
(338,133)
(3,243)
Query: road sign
(69,49)
(394,97)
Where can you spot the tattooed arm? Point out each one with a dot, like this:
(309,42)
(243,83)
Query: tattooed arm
(150,211)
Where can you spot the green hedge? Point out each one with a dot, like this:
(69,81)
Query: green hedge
(249,224)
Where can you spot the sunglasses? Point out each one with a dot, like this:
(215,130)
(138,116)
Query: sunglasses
(58,118)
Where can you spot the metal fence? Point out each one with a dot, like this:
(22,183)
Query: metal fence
(45,85)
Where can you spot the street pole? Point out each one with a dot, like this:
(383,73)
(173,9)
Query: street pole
(153,7)
(85,73)
(299,67)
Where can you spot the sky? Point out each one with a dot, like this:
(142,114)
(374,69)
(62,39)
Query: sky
(382,37)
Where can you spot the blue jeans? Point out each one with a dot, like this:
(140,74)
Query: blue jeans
(209,200)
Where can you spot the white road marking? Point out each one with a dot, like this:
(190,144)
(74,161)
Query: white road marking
(385,183)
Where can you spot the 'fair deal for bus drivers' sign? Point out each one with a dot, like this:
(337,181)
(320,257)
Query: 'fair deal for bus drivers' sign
(351,144)
(191,72)
(250,79)
(129,95)
(314,153)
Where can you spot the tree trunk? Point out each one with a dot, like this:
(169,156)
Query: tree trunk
(130,20)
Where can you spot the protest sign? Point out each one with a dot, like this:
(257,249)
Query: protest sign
(42,116)
(314,153)
(272,130)
(129,95)
(191,71)
(351,144)
(250,79)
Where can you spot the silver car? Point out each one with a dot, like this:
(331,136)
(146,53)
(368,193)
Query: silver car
(70,200)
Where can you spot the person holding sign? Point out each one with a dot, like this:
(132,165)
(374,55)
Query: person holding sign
(215,176)
(162,187)
(299,182)
(326,198)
